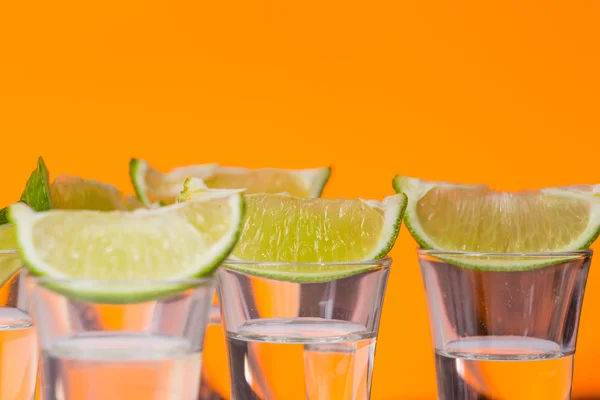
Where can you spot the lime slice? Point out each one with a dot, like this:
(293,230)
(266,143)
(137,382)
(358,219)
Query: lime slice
(152,186)
(36,193)
(298,183)
(9,259)
(132,203)
(284,229)
(70,193)
(171,243)
(74,193)
(473,218)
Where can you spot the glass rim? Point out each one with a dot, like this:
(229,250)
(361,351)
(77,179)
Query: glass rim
(574,253)
(138,282)
(386,262)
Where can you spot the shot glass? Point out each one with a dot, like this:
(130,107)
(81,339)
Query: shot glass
(107,347)
(18,337)
(291,340)
(506,331)
(214,382)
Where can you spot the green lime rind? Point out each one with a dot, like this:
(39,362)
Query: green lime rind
(124,296)
(494,263)
(125,291)
(137,174)
(300,273)
(415,189)
(316,180)
(37,189)
(36,193)
(394,208)
(4,216)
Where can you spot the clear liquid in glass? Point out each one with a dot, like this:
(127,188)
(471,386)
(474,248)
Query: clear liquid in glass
(505,367)
(330,359)
(107,365)
(19,353)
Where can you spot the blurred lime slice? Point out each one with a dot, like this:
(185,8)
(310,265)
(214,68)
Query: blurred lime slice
(9,259)
(70,193)
(474,218)
(152,186)
(36,192)
(171,243)
(74,193)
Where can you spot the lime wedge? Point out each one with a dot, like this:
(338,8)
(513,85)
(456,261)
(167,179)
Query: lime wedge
(298,183)
(9,259)
(132,203)
(152,186)
(36,193)
(171,243)
(284,229)
(476,219)
(74,193)
(70,193)
(37,190)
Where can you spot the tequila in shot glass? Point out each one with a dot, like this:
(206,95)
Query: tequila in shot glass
(18,336)
(153,351)
(302,340)
(504,333)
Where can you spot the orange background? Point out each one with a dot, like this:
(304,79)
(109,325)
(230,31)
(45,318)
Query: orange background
(505,92)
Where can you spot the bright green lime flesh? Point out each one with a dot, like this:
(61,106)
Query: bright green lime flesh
(305,273)
(174,243)
(477,219)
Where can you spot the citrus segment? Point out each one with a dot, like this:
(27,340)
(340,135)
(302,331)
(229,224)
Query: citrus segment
(9,259)
(299,183)
(477,219)
(304,239)
(152,186)
(176,242)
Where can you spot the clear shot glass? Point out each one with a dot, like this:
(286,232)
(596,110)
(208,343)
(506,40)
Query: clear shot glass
(214,382)
(508,331)
(301,340)
(121,346)
(18,336)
